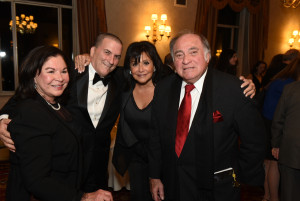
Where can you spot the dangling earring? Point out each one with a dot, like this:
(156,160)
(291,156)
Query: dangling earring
(154,69)
(35,85)
(130,72)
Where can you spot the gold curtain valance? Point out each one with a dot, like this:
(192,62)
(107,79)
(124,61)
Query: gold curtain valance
(238,5)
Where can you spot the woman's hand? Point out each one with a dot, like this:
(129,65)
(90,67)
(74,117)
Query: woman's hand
(275,153)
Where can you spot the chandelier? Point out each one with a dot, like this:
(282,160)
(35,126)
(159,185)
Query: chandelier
(24,24)
(290,3)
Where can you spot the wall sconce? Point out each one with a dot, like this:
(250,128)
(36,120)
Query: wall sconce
(218,52)
(294,38)
(162,28)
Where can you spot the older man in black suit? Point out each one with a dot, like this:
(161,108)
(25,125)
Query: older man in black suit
(207,136)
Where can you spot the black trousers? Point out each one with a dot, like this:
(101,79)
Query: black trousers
(290,183)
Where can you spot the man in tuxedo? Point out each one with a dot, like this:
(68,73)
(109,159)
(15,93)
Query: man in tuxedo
(208,136)
(94,103)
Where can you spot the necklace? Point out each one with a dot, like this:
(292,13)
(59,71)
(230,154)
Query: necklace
(54,108)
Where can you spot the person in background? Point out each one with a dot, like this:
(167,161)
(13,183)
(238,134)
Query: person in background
(143,69)
(276,62)
(199,115)
(273,93)
(257,74)
(48,163)
(168,61)
(228,62)
(286,138)
(276,65)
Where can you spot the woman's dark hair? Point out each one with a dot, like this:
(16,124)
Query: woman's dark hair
(255,67)
(31,65)
(292,70)
(223,62)
(134,51)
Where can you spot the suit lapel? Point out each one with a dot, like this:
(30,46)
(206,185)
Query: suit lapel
(174,105)
(82,90)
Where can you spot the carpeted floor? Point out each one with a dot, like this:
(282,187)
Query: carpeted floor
(248,193)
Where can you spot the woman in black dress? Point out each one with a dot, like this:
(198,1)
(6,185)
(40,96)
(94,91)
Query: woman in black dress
(143,68)
(47,163)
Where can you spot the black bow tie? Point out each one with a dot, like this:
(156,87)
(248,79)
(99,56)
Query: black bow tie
(97,78)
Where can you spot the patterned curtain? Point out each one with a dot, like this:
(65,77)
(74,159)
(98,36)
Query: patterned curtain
(91,21)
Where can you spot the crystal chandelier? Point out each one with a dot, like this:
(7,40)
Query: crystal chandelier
(24,24)
(290,3)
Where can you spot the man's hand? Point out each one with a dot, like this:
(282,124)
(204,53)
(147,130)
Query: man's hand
(250,90)
(81,61)
(99,195)
(5,135)
(157,189)
(275,153)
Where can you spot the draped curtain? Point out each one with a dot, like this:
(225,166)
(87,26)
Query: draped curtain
(207,15)
(91,22)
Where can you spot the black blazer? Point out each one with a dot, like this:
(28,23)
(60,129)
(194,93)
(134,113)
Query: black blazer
(96,141)
(285,127)
(47,163)
(125,140)
(216,145)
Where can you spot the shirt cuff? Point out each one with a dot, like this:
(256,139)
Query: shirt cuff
(4,116)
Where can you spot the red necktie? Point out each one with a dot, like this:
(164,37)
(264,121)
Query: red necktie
(183,119)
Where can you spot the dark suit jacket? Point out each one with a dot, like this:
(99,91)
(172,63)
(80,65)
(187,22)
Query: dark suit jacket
(48,162)
(209,146)
(96,141)
(286,127)
(125,139)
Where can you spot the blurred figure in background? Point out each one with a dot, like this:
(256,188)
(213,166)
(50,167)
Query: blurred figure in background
(286,138)
(169,62)
(273,93)
(277,64)
(228,62)
(257,74)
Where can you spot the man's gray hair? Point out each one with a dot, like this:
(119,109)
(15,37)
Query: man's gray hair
(101,37)
(204,41)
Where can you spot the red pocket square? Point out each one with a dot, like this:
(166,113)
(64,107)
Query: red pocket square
(217,116)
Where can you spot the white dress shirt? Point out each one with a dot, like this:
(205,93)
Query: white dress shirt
(195,94)
(96,97)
